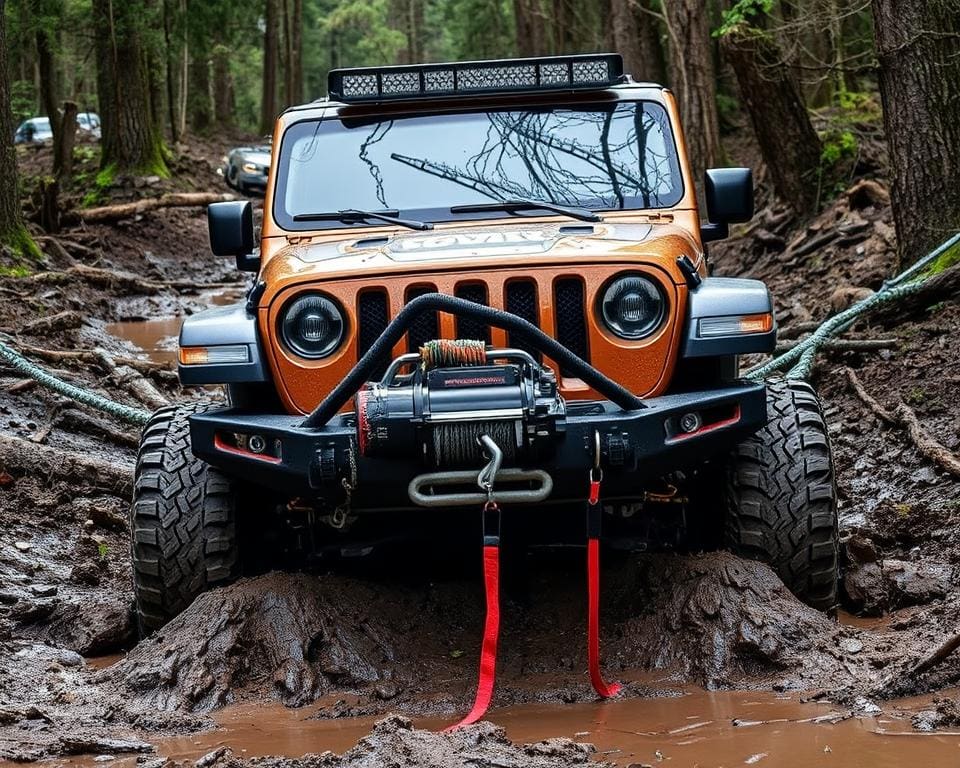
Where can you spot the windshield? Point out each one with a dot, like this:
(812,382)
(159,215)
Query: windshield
(601,157)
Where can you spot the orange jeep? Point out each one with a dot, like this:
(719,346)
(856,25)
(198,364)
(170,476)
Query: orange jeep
(481,284)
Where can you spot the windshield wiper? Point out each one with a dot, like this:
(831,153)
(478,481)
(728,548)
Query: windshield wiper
(582,214)
(352,214)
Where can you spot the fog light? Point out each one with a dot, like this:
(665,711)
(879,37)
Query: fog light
(257,444)
(690,422)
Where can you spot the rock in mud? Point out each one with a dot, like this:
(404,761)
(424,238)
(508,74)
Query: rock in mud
(396,743)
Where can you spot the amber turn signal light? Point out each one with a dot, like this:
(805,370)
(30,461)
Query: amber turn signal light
(735,325)
(228,353)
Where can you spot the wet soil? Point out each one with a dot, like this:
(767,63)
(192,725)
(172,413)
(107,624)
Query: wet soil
(344,648)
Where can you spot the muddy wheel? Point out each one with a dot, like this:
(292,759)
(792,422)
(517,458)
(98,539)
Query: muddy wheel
(182,520)
(781,496)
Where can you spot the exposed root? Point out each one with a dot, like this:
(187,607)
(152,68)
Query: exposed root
(903,416)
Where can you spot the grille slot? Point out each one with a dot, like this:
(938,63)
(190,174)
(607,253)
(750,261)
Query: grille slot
(570,318)
(468,327)
(373,314)
(521,300)
(426,326)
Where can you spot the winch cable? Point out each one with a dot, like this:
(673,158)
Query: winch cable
(594,521)
(491,588)
(380,351)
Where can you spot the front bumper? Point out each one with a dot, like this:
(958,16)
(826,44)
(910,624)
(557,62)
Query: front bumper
(635,446)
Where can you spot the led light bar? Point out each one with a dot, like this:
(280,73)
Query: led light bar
(554,73)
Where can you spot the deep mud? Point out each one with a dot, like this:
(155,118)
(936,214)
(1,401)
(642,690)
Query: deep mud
(364,645)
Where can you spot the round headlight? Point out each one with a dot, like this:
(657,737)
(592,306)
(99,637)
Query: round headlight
(632,307)
(312,326)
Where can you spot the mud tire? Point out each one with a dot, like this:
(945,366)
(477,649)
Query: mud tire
(182,520)
(781,496)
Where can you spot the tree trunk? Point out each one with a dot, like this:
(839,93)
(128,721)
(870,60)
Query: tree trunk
(530,24)
(170,64)
(130,143)
(223,94)
(788,142)
(296,52)
(918,47)
(13,234)
(48,75)
(692,78)
(63,143)
(200,102)
(268,101)
(633,33)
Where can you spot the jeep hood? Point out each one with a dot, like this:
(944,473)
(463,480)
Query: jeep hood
(477,249)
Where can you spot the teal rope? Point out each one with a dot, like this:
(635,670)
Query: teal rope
(801,357)
(24,366)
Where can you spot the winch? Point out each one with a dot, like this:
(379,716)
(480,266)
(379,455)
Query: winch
(439,402)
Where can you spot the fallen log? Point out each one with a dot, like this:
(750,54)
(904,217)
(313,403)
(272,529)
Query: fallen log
(902,416)
(110,278)
(133,381)
(129,210)
(942,286)
(24,457)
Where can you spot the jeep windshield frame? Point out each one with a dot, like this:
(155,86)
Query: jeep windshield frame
(427,164)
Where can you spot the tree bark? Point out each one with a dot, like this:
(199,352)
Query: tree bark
(130,142)
(13,234)
(633,33)
(918,47)
(530,24)
(789,144)
(63,143)
(692,78)
(268,101)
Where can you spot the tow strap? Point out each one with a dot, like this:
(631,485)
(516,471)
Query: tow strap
(491,581)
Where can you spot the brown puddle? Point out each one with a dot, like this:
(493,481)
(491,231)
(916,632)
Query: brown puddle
(699,728)
(157,338)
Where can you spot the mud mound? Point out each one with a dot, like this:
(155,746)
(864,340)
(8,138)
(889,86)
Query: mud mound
(394,742)
(292,636)
(715,618)
(720,620)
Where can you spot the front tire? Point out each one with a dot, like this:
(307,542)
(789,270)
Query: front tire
(781,496)
(182,520)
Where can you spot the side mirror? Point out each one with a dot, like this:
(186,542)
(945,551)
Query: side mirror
(231,233)
(729,196)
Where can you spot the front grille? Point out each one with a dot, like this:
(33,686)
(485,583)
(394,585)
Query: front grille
(521,300)
(426,326)
(571,321)
(468,327)
(373,314)
(520,297)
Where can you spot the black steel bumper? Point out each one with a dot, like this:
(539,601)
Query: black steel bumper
(635,445)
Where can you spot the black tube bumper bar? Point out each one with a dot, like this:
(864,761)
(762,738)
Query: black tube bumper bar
(305,461)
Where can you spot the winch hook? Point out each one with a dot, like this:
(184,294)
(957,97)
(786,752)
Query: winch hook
(488,474)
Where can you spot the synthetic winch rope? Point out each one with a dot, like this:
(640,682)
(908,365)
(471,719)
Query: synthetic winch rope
(801,357)
(123,412)
(453,352)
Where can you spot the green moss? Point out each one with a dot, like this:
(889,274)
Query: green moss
(22,248)
(944,261)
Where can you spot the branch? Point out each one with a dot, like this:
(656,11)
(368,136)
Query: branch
(129,210)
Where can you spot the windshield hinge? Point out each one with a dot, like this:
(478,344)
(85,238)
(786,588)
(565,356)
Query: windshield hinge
(299,239)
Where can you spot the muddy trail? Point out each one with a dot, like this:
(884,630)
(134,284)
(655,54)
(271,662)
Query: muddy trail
(722,665)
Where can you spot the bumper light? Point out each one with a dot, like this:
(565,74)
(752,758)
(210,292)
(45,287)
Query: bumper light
(734,325)
(228,353)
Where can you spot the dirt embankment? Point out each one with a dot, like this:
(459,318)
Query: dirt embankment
(373,645)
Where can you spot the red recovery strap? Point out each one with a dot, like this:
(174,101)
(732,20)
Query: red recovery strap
(491,625)
(594,517)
